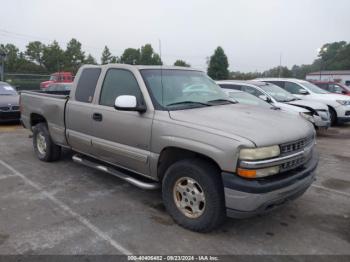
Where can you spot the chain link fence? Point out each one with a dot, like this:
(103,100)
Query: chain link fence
(25,81)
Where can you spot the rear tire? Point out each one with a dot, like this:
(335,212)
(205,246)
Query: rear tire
(45,149)
(333,116)
(193,195)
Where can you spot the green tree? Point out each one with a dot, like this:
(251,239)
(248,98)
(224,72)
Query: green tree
(334,56)
(12,53)
(90,60)
(244,76)
(106,56)
(53,57)
(130,56)
(114,59)
(218,65)
(74,57)
(181,63)
(148,56)
(278,71)
(35,51)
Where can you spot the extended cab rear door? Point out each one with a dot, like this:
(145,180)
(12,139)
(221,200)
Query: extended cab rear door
(79,110)
(121,137)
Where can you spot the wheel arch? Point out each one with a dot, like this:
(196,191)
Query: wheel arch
(170,155)
(36,118)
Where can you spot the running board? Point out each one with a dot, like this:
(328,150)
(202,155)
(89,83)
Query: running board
(132,180)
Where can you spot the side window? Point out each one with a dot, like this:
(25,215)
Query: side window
(323,86)
(292,88)
(334,88)
(116,83)
(87,84)
(252,91)
(230,86)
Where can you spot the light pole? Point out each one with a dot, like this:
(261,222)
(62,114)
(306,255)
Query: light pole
(2,59)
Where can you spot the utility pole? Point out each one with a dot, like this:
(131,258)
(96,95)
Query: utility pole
(280,67)
(2,69)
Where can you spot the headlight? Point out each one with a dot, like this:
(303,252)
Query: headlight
(307,117)
(344,102)
(259,153)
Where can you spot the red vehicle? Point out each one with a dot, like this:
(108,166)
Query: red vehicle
(58,77)
(333,87)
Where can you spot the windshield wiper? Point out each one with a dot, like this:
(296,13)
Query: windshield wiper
(188,102)
(223,101)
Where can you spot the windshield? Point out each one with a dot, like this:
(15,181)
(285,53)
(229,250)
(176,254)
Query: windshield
(278,93)
(53,78)
(7,90)
(173,89)
(313,88)
(247,99)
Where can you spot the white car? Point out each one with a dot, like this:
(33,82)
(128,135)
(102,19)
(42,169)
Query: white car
(316,113)
(339,105)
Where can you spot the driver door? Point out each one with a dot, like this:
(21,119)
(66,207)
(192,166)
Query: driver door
(121,138)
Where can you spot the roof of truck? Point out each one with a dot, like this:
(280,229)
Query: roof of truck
(140,67)
(249,82)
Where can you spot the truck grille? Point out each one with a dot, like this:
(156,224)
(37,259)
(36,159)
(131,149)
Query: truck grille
(296,145)
(293,147)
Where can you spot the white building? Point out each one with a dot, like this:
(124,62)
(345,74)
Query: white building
(340,76)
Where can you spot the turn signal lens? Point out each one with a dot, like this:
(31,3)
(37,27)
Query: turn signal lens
(246,173)
(263,172)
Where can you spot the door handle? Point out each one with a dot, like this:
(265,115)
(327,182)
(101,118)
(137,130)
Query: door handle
(97,117)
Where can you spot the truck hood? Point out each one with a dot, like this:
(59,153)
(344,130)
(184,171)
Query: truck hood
(9,100)
(309,104)
(261,126)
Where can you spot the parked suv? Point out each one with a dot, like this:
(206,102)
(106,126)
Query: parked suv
(174,128)
(316,113)
(333,87)
(339,105)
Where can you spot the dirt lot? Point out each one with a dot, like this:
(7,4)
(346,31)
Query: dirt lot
(65,208)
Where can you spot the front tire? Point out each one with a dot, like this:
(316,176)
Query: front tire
(45,149)
(193,195)
(333,116)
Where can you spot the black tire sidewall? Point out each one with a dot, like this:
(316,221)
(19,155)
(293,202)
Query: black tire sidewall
(42,129)
(213,190)
(333,116)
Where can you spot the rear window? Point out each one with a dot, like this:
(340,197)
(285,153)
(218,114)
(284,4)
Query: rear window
(87,84)
(230,86)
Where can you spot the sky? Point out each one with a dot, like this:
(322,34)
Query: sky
(253,33)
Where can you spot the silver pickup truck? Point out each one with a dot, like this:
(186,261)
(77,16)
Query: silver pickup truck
(174,128)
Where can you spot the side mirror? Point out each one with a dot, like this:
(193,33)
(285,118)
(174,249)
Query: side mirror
(128,103)
(303,92)
(265,98)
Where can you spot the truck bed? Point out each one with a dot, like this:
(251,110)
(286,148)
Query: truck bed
(48,105)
